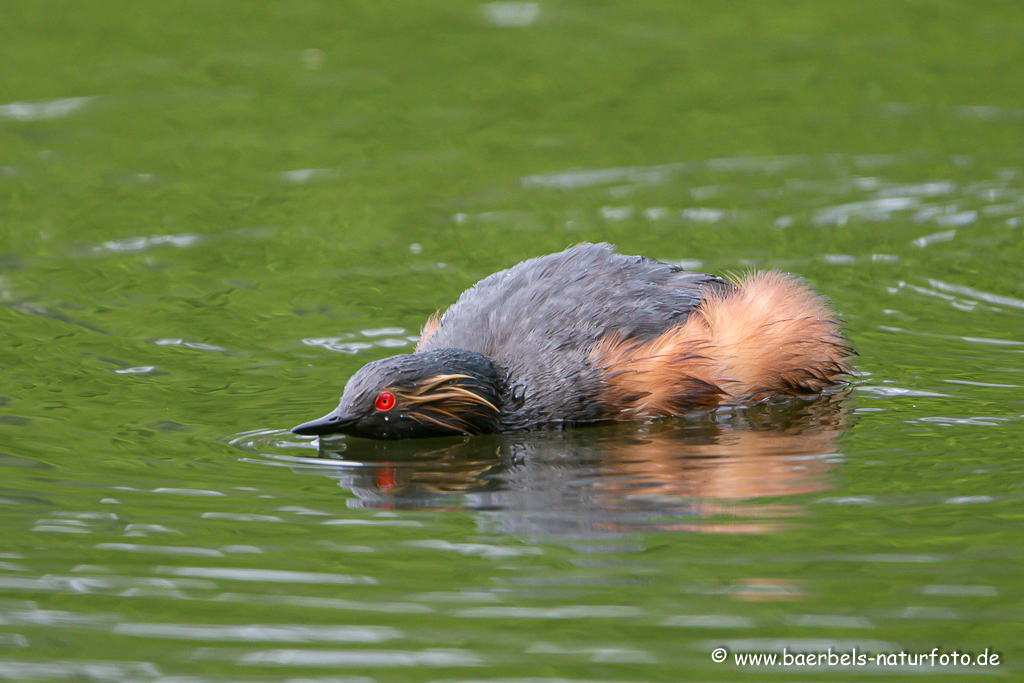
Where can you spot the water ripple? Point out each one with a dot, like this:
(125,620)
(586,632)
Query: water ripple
(569,612)
(934,238)
(106,584)
(349,343)
(90,671)
(43,109)
(972,293)
(160,549)
(705,621)
(284,633)
(347,658)
(269,575)
(328,603)
(478,549)
(960,591)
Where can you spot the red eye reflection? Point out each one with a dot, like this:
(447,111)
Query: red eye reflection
(385,401)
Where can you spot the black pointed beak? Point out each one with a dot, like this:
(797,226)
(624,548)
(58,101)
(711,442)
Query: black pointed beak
(332,423)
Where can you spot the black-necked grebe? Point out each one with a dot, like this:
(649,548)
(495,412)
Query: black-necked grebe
(588,335)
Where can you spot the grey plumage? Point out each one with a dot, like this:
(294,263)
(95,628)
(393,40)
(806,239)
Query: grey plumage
(538,321)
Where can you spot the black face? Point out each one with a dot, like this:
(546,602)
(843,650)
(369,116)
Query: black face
(449,391)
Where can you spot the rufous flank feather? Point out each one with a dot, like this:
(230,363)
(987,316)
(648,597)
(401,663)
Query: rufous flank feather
(429,328)
(769,335)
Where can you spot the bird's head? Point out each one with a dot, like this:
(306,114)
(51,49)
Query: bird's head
(448,391)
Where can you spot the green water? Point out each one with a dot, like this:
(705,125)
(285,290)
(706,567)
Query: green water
(213,213)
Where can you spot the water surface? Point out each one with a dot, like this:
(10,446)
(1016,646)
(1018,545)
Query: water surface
(213,215)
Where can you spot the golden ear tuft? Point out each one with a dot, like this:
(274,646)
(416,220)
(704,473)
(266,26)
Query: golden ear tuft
(439,401)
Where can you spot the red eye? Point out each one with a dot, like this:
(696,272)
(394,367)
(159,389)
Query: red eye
(385,401)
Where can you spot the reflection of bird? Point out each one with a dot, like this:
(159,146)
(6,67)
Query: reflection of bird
(588,335)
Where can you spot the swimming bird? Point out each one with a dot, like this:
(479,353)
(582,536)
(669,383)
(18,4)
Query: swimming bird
(589,335)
